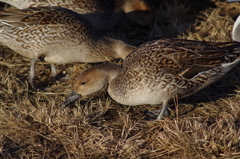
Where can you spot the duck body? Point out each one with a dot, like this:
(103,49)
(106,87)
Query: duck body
(160,71)
(101,14)
(59,35)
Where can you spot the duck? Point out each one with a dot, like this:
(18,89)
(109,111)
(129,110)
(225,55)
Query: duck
(58,36)
(102,14)
(158,72)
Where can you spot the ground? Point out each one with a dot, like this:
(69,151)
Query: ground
(204,125)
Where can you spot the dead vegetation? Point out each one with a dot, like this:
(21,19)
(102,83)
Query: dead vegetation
(32,124)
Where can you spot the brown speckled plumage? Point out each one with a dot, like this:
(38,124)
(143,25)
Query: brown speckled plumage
(58,34)
(102,14)
(161,70)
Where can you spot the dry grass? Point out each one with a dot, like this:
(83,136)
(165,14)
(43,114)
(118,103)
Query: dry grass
(32,125)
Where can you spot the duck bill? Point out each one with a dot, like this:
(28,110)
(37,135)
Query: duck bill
(72,98)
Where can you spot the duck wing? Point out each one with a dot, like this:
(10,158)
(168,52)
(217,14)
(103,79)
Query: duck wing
(180,57)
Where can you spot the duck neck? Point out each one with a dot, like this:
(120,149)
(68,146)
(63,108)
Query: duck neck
(110,70)
(119,49)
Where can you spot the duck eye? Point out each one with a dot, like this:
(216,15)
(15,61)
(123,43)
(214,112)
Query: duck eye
(83,83)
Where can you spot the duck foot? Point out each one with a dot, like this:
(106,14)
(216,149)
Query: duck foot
(155,113)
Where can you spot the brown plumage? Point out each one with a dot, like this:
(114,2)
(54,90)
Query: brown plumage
(58,34)
(159,71)
(102,14)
